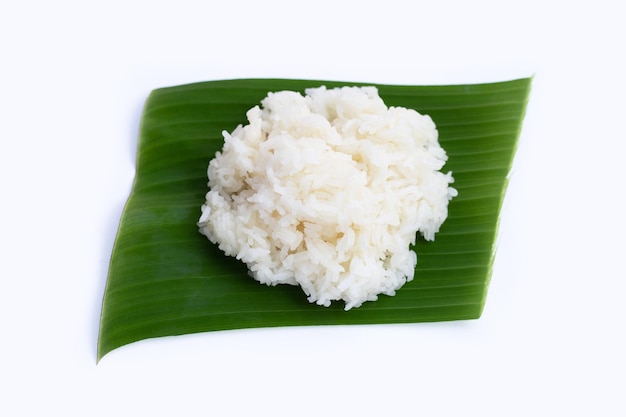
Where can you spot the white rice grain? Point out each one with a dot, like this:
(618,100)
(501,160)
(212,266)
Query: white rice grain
(328,191)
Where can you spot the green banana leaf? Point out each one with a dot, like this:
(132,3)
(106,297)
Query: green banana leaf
(165,278)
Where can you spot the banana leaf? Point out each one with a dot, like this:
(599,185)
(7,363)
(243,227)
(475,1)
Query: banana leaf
(166,279)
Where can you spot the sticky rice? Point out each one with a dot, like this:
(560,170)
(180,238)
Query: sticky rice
(328,191)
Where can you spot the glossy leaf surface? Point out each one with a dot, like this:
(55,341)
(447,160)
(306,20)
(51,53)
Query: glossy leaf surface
(165,278)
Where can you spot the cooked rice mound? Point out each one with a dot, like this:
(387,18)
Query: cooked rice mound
(327,191)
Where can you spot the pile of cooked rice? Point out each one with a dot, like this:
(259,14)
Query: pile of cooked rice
(327,191)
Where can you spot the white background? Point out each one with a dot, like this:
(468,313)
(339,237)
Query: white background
(74,77)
